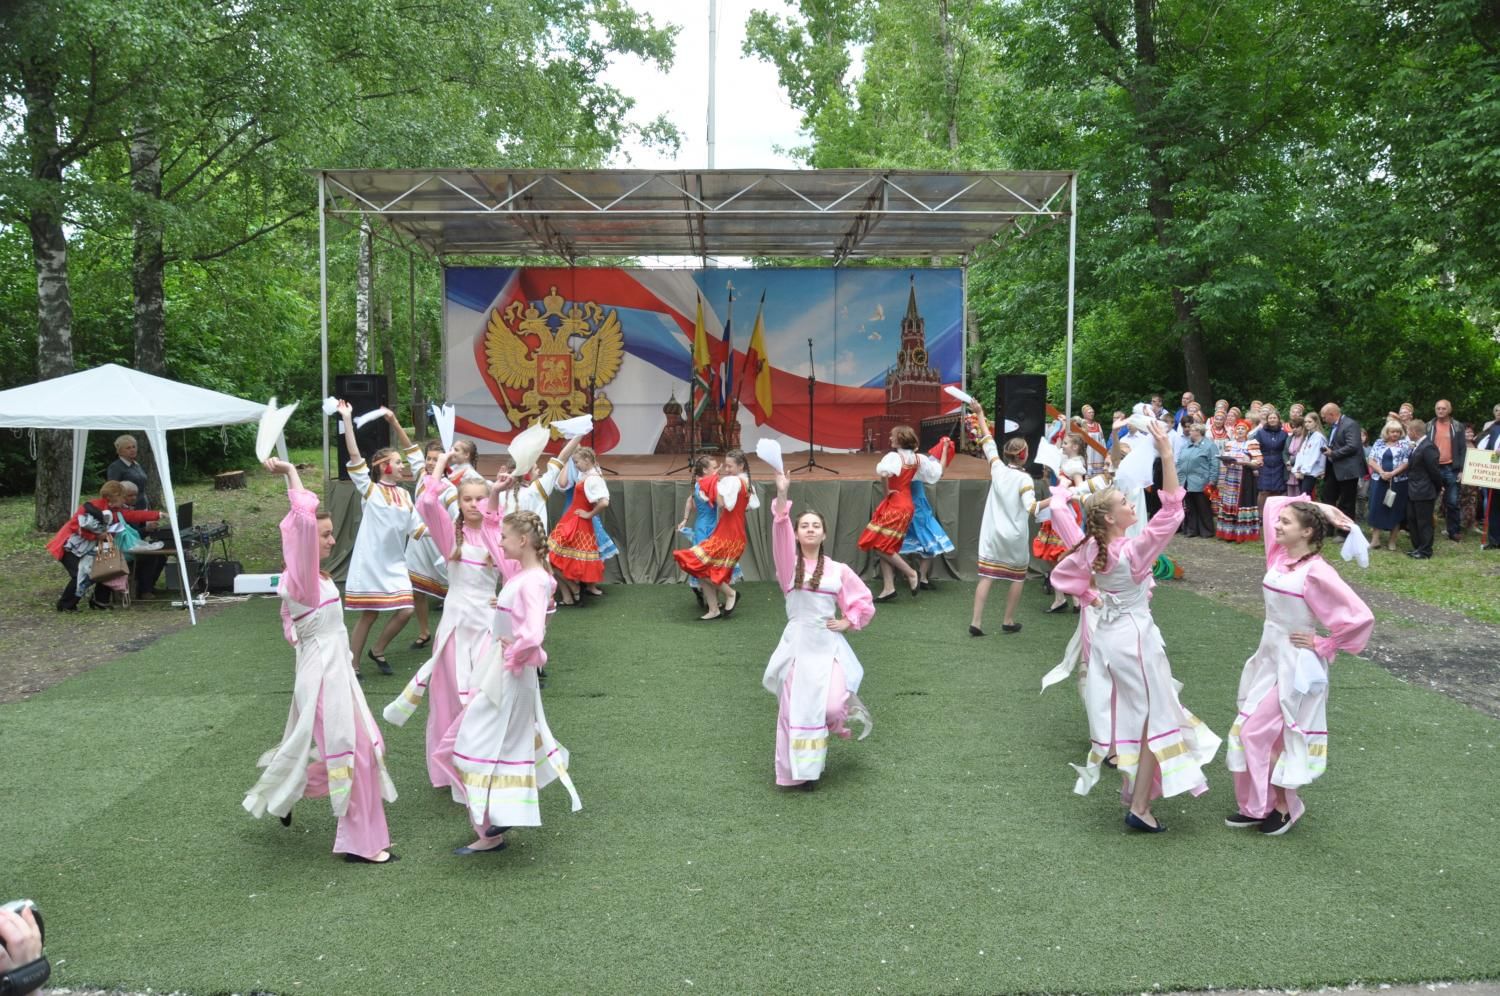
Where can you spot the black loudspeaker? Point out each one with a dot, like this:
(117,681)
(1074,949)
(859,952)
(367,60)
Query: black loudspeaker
(366,392)
(221,574)
(1022,399)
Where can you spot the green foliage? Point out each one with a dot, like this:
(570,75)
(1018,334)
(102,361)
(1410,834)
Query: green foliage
(1305,190)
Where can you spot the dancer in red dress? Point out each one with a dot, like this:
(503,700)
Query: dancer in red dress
(713,561)
(574,549)
(887,527)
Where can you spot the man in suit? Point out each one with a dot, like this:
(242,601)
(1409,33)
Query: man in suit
(1424,482)
(1346,459)
(1447,434)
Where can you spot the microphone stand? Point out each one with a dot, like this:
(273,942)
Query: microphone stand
(692,449)
(812,383)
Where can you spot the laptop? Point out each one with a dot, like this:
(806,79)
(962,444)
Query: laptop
(185,515)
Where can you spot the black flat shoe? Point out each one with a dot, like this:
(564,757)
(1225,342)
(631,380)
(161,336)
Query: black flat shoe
(380,662)
(926,585)
(494,831)
(286,820)
(1054,609)
(1077,609)
(1134,822)
(914,588)
(886,597)
(1011,627)
(464,852)
(975,631)
(355,859)
(732,604)
(422,642)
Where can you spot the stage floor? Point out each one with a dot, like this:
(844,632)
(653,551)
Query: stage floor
(831,467)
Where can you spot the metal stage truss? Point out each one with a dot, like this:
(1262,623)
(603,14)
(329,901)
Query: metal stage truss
(575,215)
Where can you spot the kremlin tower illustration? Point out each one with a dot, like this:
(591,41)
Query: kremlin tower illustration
(913,387)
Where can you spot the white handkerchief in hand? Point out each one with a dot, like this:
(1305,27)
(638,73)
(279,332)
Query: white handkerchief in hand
(330,406)
(1135,469)
(360,421)
(954,392)
(272,421)
(769,450)
(1309,675)
(1048,456)
(572,428)
(1356,547)
(444,416)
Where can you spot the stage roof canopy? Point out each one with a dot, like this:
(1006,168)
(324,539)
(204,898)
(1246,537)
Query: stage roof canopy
(838,215)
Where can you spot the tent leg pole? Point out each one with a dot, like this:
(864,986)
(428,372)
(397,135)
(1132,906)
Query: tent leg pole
(323,309)
(1072,261)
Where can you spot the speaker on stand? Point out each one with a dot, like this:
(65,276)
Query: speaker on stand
(366,393)
(1022,399)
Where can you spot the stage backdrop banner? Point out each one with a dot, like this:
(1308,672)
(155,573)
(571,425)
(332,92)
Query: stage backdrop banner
(543,344)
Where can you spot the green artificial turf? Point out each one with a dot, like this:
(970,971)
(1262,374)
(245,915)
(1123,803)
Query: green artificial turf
(946,853)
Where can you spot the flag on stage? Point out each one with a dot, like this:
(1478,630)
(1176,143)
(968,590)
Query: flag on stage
(702,364)
(757,365)
(726,395)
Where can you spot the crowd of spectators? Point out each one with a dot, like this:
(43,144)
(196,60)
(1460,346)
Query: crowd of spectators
(1230,459)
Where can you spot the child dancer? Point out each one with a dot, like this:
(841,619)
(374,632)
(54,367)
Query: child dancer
(813,671)
(1005,529)
(329,723)
(925,538)
(714,559)
(702,506)
(425,565)
(575,545)
(1279,741)
(887,527)
(378,580)
(500,750)
(1129,693)
(602,540)
(1049,545)
(527,489)
(463,636)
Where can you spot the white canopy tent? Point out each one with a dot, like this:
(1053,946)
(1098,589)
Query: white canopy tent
(118,399)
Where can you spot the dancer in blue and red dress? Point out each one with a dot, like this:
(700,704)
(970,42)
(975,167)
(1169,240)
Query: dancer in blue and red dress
(887,527)
(713,561)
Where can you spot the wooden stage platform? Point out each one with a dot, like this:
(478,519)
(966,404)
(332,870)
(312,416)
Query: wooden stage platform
(849,467)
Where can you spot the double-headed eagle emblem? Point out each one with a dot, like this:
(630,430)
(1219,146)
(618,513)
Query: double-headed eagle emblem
(548,357)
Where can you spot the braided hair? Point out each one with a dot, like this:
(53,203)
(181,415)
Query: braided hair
(458,524)
(816,580)
(1095,508)
(529,526)
(1310,516)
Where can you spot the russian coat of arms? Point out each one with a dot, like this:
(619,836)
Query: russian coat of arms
(544,358)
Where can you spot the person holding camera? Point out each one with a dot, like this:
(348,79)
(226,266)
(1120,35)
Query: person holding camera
(23,968)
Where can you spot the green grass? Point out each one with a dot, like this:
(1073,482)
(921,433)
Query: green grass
(1460,577)
(945,853)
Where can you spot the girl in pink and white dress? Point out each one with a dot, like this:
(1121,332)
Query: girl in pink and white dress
(1129,693)
(500,751)
(1279,740)
(813,671)
(331,745)
(463,636)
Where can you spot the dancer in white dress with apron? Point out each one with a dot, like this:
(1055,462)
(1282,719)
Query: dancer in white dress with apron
(1279,740)
(500,751)
(813,671)
(378,580)
(1129,693)
(331,746)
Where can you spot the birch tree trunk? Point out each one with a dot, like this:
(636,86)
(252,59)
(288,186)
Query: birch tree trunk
(54,302)
(362,301)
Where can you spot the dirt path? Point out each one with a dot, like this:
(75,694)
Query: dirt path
(1418,643)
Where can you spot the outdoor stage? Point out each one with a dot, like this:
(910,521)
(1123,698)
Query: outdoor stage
(646,503)
(849,467)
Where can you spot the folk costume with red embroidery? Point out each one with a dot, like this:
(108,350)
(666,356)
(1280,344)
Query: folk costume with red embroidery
(713,561)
